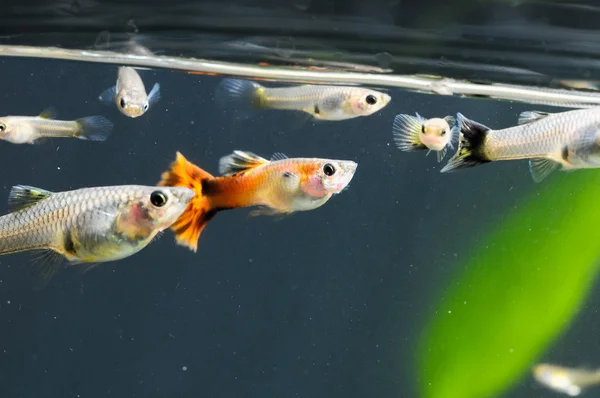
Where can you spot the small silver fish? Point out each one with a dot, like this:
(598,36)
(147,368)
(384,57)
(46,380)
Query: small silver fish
(322,102)
(566,380)
(89,225)
(569,139)
(417,133)
(129,94)
(35,129)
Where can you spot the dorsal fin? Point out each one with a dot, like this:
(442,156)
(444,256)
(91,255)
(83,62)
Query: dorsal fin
(240,161)
(531,116)
(48,113)
(278,156)
(451,120)
(24,196)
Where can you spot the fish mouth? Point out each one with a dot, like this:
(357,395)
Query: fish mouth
(134,112)
(434,144)
(349,168)
(340,184)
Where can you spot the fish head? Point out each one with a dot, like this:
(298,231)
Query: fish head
(17,130)
(364,102)
(9,128)
(132,103)
(327,176)
(436,133)
(159,207)
(6,129)
(552,376)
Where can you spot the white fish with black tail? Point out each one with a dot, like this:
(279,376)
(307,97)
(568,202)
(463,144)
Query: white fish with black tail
(415,133)
(129,94)
(322,102)
(568,139)
(36,129)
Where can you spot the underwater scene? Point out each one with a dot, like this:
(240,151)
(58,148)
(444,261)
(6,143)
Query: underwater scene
(262,216)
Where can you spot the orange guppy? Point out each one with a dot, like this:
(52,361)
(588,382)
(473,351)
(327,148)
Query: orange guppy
(281,185)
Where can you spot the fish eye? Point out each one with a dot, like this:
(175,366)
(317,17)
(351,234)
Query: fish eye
(443,133)
(145,107)
(328,169)
(371,99)
(287,174)
(122,103)
(2,127)
(158,199)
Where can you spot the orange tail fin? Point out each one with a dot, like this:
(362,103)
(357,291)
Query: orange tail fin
(199,211)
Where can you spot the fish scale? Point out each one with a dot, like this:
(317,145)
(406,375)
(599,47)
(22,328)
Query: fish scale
(540,137)
(90,224)
(569,139)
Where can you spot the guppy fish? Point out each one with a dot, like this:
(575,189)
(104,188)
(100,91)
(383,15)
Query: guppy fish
(322,102)
(565,380)
(129,94)
(89,225)
(35,129)
(417,133)
(568,139)
(281,185)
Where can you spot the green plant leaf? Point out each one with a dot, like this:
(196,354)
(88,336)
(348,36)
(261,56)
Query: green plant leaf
(522,284)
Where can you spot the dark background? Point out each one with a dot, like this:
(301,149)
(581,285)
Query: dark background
(327,303)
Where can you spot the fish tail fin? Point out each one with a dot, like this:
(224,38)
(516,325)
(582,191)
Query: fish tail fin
(471,143)
(406,130)
(94,128)
(200,210)
(243,97)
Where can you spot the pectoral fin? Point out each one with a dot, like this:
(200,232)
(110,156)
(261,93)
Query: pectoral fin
(541,168)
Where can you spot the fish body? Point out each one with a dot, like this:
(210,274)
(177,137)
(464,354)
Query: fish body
(415,133)
(568,139)
(129,94)
(35,129)
(322,102)
(280,186)
(135,48)
(89,225)
(566,380)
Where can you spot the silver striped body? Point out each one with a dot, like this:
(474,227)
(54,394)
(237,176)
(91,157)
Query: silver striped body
(323,102)
(328,98)
(25,129)
(91,224)
(543,138)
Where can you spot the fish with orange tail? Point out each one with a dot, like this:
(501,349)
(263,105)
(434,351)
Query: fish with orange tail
(280,185)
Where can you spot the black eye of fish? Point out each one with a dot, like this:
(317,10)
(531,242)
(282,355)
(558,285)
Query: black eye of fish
(2,127)
(287,174)
(146,106)
(122,103)
(371,99)
(443,133)
(328,169)
(158,199)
